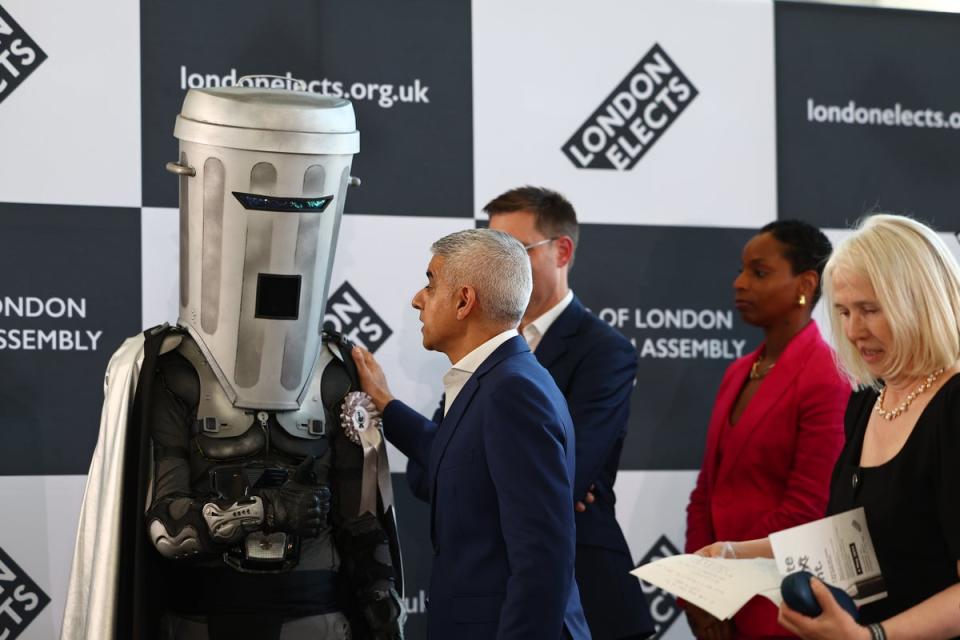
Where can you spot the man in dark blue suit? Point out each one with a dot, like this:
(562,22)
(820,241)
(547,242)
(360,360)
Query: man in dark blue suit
(500,464)
(594,367)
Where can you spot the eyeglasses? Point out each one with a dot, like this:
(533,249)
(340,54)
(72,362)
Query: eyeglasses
(540,243)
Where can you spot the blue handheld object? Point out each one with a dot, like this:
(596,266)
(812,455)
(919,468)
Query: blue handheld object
(798,595)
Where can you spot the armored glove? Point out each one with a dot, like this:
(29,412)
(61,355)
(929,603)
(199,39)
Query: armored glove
(298,506)
(384,612)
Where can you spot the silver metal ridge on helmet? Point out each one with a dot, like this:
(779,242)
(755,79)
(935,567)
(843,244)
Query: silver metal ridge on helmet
(263,178)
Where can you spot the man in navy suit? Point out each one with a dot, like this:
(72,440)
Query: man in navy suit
(500,464)
(594,366)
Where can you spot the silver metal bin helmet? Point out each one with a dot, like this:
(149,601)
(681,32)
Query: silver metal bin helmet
(263,176)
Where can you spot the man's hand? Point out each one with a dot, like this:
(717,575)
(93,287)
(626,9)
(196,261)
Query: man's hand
(372,380)
(581,505)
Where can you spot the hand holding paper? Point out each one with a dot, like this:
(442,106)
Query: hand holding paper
(718,586)
(838,549)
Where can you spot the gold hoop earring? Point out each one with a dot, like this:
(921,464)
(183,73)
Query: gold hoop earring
(802,301)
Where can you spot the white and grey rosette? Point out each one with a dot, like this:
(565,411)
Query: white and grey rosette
(359,415)
(362,424)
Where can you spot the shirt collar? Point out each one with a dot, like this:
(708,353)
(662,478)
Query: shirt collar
(475,358)
(456,378)
(538,328)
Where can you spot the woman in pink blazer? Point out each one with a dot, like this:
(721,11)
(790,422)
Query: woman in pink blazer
(777,423)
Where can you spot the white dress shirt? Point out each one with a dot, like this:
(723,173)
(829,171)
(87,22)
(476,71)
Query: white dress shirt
(535,331)
(460,372)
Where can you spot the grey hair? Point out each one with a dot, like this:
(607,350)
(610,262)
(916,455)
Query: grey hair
(495,264)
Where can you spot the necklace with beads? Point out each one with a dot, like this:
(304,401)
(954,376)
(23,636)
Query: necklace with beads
(896,411)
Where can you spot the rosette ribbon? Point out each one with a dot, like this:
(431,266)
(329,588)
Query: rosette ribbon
(363,425)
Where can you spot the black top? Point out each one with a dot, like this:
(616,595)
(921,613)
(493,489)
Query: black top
(912,501)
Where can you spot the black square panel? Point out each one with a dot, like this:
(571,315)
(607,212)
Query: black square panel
(20,55)
(69,296)
(670,291)
(868,113)
(278,297)
(27,600)
(405,65)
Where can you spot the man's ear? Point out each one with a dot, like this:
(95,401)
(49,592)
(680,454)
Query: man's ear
(564,245)
(466,302)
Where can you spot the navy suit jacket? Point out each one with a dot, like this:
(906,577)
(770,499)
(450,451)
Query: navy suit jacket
(594,366)
(500,466)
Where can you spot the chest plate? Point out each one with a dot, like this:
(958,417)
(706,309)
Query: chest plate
(226,432)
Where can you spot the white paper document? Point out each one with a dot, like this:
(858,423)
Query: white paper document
(837,549)
(718,586)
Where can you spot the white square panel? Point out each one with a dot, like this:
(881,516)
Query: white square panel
(652,505)
(46,510)
(160,254)
(385,259)
(542,68)
(71,131)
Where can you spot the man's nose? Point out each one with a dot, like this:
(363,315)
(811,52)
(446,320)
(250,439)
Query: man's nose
(416,301)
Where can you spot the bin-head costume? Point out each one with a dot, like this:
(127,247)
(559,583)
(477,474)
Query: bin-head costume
(242,473)
(258,228)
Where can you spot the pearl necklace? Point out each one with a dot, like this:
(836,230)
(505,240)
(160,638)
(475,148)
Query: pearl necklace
(895,412)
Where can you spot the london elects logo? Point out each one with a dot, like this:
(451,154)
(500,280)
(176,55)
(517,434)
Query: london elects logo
(21,600)
(19,55)
(634,116)
(663,606)
(351,316)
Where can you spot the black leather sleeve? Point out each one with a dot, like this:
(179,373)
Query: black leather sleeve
(174,506)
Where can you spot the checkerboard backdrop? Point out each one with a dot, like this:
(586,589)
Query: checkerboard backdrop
(676,127)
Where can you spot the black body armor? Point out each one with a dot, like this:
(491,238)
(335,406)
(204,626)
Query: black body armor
(260,511)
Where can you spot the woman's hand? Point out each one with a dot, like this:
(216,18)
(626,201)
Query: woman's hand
(759,548)
(718,550)
(833,624)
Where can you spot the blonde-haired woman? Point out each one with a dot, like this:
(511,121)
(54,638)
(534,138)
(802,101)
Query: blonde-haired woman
(893,294)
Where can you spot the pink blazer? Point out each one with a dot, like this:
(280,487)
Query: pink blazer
(771,470)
